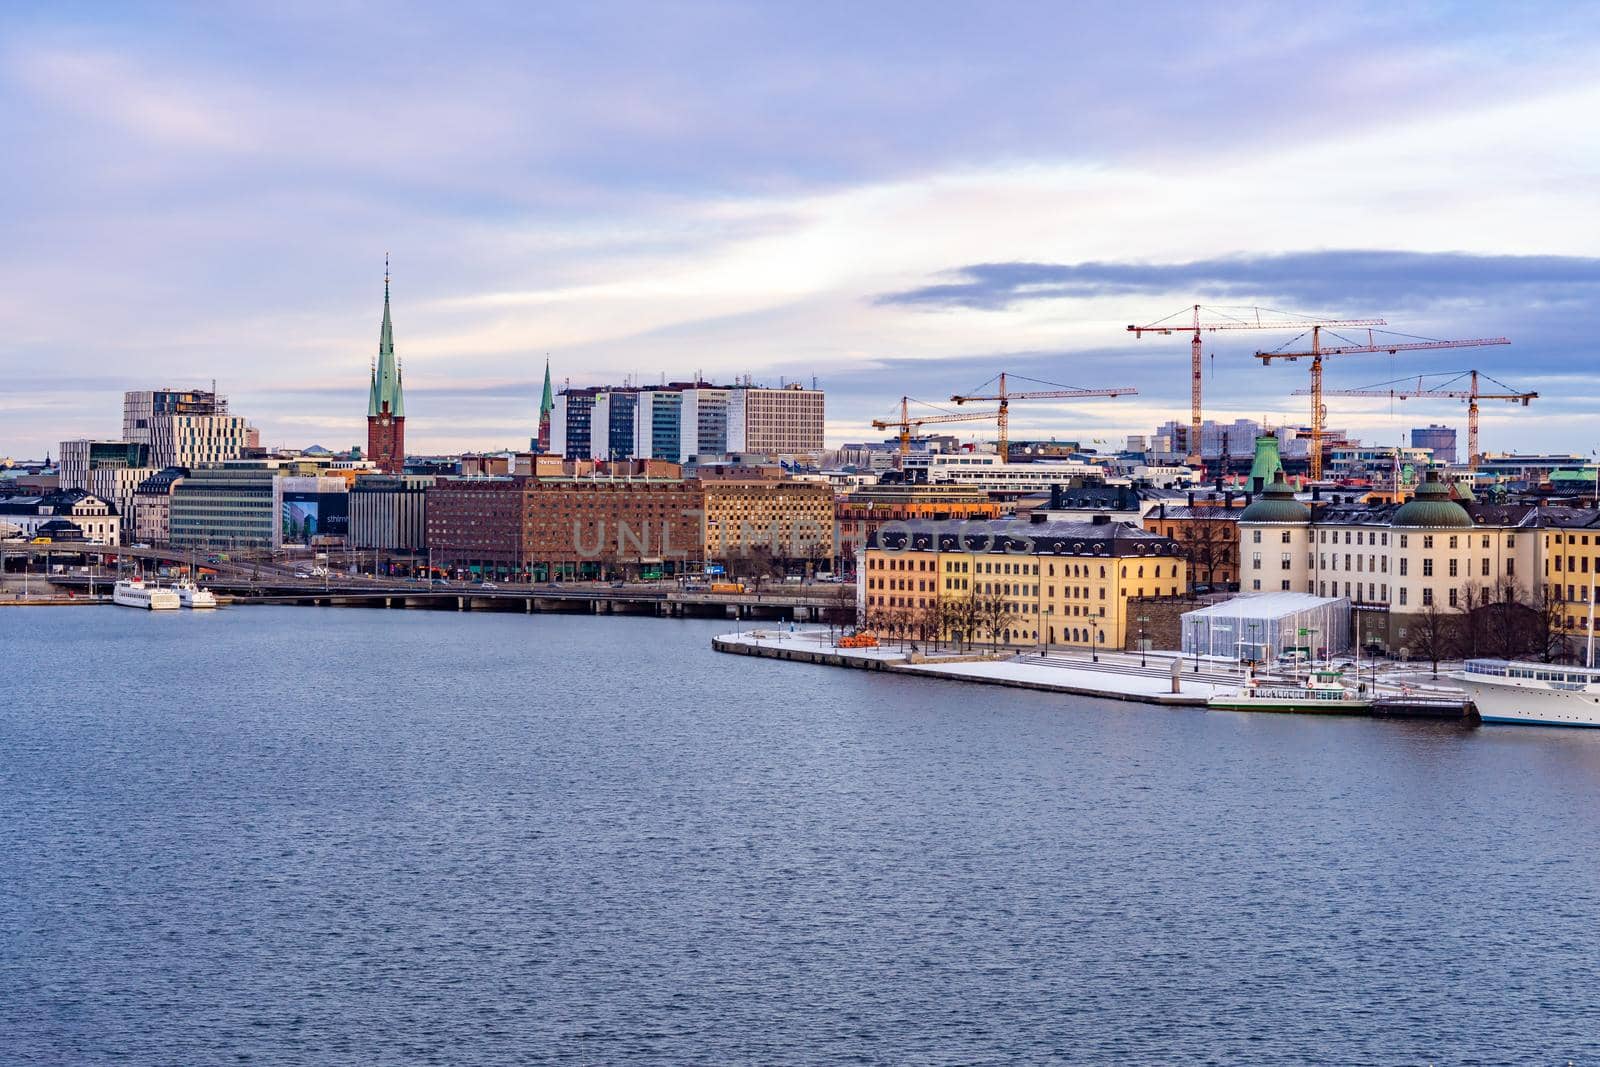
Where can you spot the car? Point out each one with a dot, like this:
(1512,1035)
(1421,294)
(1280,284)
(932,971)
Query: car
(489,585)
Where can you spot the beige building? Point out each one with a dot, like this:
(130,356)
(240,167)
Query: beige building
(1019,584)
(1393,562)
(792,520)
(775,422)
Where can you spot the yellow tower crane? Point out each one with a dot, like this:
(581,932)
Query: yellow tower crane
(1055,392)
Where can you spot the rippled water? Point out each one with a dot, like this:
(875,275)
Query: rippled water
(301,835)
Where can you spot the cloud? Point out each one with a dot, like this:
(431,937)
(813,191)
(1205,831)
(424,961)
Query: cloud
(1379,279)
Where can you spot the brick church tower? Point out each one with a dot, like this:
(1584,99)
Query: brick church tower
(386,404)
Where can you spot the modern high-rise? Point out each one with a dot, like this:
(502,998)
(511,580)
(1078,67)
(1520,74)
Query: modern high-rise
(682,421)
(386,404)
(141,407)
(81,457)
(1440,440)
(185,440)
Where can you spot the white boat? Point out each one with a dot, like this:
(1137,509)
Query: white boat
(1536,694)
(1324,692)
(192,596)
(134,593)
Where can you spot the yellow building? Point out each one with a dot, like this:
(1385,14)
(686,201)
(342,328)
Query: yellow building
(1018,584)
(1571,551)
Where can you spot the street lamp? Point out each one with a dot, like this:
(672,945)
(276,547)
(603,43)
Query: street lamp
(1142,620)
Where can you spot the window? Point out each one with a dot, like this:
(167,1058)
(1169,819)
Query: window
(1452,594)
(1255,537)
(1452,541)
(1286,537)
(1403,563)
(1402,540)
(1427,540)
(1427,597)
(1452,573)
(1402,595)
(1255,584)
(1511,567)
(1286,558)
(1485,568)
(1427,568)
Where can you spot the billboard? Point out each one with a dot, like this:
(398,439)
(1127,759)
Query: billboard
(309,515)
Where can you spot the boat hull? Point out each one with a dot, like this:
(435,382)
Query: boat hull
(1291,707)
(1532,705)
(147,597)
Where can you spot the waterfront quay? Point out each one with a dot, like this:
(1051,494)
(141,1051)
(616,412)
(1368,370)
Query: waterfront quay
(1166,679)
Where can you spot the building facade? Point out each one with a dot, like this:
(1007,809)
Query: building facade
(152,507)
(547,529)
(95,518)
(228,507)
(141,408)
(80,458)
(390,512)
(789,521)
(119,486)
(1019,584)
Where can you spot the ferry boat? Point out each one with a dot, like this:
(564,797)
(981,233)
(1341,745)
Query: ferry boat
(134,593)
(1536,694)
(192,596)
(1324,692)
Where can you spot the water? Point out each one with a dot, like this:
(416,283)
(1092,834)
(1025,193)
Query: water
(345,836)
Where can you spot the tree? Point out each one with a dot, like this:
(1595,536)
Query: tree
(839,610)
(959,618)
(1548,640)
(1206,542)
(1472,625)
(927,622)
(994,616)
(1431,636)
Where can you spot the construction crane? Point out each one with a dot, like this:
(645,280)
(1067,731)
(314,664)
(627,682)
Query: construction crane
(1319,411)
(1225,318)
(1055,392)
(906,421)
(1406,388)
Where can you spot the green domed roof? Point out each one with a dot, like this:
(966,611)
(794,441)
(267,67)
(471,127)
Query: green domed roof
(1277,504)
(1432,507)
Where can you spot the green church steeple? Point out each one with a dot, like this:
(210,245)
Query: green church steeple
(386,385)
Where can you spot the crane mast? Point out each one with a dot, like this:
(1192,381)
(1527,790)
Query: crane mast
(1395,391)
(1319,410)
(1057,392)
(1250,320)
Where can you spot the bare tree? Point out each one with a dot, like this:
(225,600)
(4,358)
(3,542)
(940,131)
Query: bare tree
(1472,625)
(1206,543)
(1547,638)
(994,616)
(1431,635)
(959,618)
(927,622)
(839,610)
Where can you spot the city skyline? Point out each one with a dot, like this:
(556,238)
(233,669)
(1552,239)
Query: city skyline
(638,197)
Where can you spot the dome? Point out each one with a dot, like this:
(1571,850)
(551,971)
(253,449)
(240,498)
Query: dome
(1432,507)
(1277,504)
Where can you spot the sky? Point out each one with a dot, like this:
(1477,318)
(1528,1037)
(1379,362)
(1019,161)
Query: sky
(891,198)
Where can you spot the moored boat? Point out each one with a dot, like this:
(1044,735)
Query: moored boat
(135,593)
(1324,692)
(1533,694)
(191,595)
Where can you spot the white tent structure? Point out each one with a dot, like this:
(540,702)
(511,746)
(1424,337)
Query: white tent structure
(1263,625)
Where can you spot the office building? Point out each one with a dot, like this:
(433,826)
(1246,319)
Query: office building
(389,511)
(140,409)
(80,457)
(1440,440)
(233,506)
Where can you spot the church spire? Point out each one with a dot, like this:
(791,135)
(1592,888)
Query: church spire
(386,375)
(547,404)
